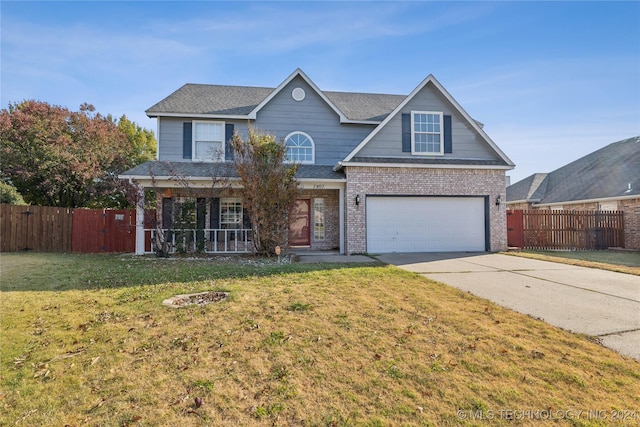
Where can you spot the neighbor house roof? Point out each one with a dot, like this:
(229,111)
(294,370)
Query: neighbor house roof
(524,190)
(611,172)
(200,100)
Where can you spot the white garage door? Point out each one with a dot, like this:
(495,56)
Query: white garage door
(425,224)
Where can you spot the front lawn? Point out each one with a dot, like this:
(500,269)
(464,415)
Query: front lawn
(620,261)
(86,341)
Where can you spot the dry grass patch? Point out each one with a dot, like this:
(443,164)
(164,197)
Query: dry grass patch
(336,346)
(621,262)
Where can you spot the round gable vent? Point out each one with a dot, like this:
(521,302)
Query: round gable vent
(298,94)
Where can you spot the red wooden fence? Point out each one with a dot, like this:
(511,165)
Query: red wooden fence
(51,229)
(565,230)
(96,230)
(515,228)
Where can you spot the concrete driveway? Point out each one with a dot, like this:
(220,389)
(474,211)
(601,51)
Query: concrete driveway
(584,300)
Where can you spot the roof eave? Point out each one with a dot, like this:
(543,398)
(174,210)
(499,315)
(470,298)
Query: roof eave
(509,202)
(201,116)
(360,122)
(316,180)
(595,200)
(251,116)
(343,164)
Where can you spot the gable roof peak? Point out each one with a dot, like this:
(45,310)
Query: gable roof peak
(438,86)
(298,73)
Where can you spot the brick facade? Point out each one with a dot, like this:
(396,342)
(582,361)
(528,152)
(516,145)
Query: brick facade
(519,206)
(631,209)
(363,181)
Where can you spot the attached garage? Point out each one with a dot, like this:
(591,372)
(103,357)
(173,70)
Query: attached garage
(426,224)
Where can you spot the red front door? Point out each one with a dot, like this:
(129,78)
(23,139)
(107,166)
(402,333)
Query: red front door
(299,230)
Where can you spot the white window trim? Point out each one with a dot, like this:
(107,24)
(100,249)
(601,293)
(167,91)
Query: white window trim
(231,200)
(313,148)
(441,133)
(193,141)
(319,234)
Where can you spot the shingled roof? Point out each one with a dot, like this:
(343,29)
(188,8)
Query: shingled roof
(525,189)
(219,100)
(611,172)
(161,169)
(210,99)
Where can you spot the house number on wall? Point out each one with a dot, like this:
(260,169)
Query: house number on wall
(318,186)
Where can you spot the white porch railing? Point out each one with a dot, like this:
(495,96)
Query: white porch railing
(208,240)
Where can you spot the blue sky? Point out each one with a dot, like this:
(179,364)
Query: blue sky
(551,81)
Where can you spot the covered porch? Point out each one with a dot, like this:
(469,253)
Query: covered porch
(200,215)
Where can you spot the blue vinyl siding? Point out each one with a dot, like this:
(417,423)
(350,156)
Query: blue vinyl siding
(334,141)
(172,137)
(281,116)
(313,116)
(466,143)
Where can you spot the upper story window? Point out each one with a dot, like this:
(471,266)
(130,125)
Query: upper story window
(208,141)
(300,148)
(426,132)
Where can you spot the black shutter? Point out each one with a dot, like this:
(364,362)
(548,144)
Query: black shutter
(167,213)
(186,140)
(448,143)
(246,221)
(228,149)
(201,212)
(406,133)
(214,214)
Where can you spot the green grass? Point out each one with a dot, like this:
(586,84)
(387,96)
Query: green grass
(62,272)
(86,341)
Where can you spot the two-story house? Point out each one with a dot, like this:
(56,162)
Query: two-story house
(378,173)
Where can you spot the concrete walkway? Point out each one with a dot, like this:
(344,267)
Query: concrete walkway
(583,300)
(315,257)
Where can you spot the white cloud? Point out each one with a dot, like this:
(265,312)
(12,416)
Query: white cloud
(269,28)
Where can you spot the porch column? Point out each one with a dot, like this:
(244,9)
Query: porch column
(140,222)
(341,227)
